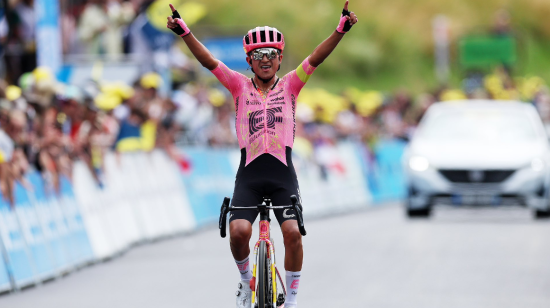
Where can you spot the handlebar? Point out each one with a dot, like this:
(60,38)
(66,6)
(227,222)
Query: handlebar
(226,208)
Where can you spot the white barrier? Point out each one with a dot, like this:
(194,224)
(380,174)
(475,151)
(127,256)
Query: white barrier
(93,212)
(143,198)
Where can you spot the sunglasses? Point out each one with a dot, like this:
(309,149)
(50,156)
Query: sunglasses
(258,54)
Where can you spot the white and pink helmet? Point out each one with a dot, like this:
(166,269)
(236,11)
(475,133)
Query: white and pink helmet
(261,37)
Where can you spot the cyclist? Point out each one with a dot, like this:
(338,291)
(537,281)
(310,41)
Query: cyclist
(265,122)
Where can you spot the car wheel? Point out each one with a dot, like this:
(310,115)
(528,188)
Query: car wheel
(541,214)
(419,213)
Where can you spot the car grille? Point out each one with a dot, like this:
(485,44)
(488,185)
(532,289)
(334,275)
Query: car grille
(476,176)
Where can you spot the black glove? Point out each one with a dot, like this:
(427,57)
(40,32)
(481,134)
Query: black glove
(181,28)
(347,24)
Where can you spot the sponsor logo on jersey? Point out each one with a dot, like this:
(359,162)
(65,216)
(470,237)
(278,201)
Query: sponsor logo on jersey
(280,98)
(256,119)
(236,112)
(253,102)
(277,101)
(277,93)
(293,101)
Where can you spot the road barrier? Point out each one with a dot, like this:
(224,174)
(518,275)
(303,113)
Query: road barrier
(147,196)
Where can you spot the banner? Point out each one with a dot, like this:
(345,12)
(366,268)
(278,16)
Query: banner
(81,249)
(212,177)
(385,172)
(5,283)
(229,51)
(19,263)
(35,240)
(53,223)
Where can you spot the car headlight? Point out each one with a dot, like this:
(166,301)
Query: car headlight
(419,163)
(537,164)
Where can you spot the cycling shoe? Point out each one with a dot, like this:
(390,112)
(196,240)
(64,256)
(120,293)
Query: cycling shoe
(244,295)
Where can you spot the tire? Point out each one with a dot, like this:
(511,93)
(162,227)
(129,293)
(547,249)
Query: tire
(419,213)
(541,214)
(262,276)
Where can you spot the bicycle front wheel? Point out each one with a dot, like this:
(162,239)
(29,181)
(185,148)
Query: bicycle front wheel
(262,276)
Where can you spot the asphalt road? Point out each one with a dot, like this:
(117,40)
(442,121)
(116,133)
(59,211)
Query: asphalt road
(464,258)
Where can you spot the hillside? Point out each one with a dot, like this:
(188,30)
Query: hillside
(391,46)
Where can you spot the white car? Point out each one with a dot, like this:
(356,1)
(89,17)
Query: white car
(478,152)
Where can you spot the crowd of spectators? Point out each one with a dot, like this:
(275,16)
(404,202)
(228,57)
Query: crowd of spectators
(47,125)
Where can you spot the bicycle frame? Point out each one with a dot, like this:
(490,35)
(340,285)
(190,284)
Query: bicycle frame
(265,236)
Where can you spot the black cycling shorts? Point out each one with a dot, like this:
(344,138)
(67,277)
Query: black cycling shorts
(265,176)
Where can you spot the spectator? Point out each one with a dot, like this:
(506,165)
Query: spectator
(101,26)
(21,43)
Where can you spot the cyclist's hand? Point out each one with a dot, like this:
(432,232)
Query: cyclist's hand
(176,24)
(347,20)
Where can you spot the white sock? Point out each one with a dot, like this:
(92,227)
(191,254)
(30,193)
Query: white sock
(244,269)
(292,284)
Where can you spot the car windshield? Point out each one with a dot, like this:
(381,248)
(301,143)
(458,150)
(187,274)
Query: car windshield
(479,126)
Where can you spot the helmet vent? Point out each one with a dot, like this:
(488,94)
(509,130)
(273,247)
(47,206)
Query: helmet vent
(279,37)
(262,36)
(254,40)
(271,39)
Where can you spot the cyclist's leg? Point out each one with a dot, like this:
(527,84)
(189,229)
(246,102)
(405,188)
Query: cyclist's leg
(240,231)
(294,255)
(287,221)
(240,226)
(291,234)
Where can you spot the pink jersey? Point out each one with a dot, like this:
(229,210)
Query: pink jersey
(265,124)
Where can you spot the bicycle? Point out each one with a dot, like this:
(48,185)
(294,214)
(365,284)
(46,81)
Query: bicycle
(264,289)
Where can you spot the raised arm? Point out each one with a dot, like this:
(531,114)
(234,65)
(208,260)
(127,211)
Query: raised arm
(347,19)
(203,55)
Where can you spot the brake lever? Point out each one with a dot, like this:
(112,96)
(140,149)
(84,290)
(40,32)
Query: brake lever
(298,209)
(223,217)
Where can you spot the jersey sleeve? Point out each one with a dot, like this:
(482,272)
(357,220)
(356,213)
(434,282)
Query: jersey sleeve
(301,74)
(230,79)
